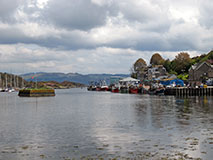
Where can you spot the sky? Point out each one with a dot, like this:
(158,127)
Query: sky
(99,36)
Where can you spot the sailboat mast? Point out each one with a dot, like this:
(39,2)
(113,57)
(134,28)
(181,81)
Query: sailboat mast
(0,81)
(5,80)
(14,82)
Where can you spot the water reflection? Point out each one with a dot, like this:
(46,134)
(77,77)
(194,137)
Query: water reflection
(80,124)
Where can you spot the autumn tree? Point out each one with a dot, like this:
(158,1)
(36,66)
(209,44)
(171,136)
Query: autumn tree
(156,59)
(139,69)
(181,63)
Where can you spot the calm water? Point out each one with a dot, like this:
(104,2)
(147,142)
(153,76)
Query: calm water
(81,124)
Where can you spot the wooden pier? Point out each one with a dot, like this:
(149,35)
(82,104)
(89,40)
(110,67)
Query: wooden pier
(181,91)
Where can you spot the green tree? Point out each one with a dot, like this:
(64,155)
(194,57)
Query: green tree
(181,63)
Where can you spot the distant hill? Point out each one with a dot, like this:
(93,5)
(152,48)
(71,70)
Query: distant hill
(54,85)
(71,77)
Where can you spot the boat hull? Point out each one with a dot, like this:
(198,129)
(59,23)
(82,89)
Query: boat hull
(116,90)
(104,89)
(133,90)
(124,90)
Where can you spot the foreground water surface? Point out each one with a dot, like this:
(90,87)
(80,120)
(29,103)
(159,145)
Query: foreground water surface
(77,124)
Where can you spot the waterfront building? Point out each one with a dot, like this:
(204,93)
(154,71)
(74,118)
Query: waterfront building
(156,71)
(200,73)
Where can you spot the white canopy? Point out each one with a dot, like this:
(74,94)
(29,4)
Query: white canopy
(129,79)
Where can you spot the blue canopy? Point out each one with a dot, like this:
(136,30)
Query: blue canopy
(176,81)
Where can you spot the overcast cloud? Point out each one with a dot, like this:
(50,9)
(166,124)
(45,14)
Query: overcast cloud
(99,36)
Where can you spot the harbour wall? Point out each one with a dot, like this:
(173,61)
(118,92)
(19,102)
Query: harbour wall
(36,93)
(181,91)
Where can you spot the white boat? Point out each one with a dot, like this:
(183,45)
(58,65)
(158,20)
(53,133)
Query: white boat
(11,90)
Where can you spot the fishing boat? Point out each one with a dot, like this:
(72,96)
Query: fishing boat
(160,91)
(98,88)
(104,88)
(115,90)
(124,89)
(157,91)
(91,87)
(133,90)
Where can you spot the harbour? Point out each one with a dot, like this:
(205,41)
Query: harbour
(106,80)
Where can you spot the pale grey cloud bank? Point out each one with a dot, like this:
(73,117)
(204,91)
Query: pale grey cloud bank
(96,36)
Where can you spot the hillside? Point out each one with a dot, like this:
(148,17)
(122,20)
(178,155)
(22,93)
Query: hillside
(71,77)
(202,58)
(209,56)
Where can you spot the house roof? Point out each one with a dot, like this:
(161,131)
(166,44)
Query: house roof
(205,62)
(198,65)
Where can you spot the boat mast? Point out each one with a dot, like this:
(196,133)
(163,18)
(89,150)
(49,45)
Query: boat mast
(0,81)
(5,80)
(11,81)
(17,82)
(22,83)
(14,81)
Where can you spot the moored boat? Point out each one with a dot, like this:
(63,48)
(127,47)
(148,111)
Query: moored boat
(115,89)
(104,88)
(124,89)
(160,91)
(133,90)
(92,86)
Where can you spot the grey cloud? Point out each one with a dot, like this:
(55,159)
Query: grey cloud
(72,14)
(142,11)
(69,41)
(136,12)
(152,16)
(151,28)
(206,17)
(65,42)
(144,41)
(7,9)
(151,42)
(13,36)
